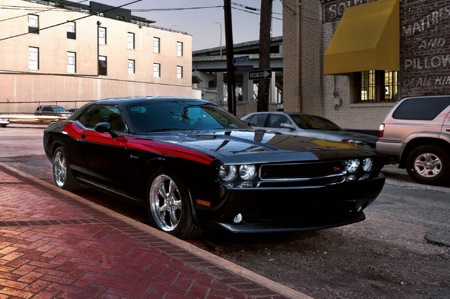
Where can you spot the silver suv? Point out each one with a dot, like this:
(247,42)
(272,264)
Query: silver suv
(416,135)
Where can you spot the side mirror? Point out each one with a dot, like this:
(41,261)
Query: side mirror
(287,126)
(105,127)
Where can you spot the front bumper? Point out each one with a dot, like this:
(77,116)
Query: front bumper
(293,209)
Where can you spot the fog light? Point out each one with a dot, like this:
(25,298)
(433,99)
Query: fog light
(238,218)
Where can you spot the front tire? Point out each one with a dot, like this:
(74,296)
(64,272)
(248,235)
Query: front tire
(429,165)
(62,174)
(170,207)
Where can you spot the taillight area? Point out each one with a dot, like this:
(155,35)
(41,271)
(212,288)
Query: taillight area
(381,130)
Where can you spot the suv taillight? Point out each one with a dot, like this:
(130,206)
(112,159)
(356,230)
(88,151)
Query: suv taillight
(381,130)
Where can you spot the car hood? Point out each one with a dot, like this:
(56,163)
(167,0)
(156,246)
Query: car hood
(259,146)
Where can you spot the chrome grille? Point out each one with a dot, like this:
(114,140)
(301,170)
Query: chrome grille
(301,171)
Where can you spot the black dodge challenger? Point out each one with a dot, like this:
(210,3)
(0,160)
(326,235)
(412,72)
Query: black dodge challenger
(193,165)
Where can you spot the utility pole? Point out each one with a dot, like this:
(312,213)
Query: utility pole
(231,80)
(264,53)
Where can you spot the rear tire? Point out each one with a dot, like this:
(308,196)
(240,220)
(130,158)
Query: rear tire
(429,164)
(169,205)
(62,174)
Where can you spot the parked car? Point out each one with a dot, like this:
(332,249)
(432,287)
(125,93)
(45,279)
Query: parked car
(4,121)
(195,166)
(416,135)
(52,110)
(308,125)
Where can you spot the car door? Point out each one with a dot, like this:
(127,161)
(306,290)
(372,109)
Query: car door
(275,120)
(257,120)
(105,155)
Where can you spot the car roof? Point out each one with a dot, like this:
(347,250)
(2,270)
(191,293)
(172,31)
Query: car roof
(121,100)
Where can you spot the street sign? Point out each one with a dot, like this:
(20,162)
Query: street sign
(240,59)
(260,74)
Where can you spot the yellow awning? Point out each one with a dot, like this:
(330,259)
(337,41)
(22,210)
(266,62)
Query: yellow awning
(367,38)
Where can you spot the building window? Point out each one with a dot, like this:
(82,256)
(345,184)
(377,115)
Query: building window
(375,86)
(156,45)
(33,24)
(130,38)
(179,72)
(131,66)
(101,35)
(71,62)
(71,30)
(179,49)
(33,58)
(102,66)
(156,70)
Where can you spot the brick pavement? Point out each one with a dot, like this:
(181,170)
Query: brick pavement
(55,245)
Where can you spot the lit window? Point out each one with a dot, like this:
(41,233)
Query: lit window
(179,49)
(33,24)
(156,70)
(102,35)
(130,38)
(33,58)
(131,66)
(102,65)
(375,86)
(71,30)
(179,72)
(71,62)
(156,45)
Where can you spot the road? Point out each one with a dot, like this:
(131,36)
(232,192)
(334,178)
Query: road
(402,249)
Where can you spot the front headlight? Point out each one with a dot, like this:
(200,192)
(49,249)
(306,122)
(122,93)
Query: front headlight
(227,172)
(352,165)
(367,164)
(247,172)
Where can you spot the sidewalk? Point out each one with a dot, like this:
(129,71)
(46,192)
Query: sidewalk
(54,244)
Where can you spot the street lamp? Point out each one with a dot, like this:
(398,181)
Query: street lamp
(220,49)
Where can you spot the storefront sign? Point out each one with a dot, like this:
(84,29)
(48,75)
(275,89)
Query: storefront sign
(334,9)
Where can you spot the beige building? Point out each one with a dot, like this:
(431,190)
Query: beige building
(69,54)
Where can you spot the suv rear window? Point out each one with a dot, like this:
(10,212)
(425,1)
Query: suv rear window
(423,108)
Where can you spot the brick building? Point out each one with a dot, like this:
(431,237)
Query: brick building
(352,60)
(62,52)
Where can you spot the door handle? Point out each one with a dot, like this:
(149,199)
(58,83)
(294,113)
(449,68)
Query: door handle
(83,136)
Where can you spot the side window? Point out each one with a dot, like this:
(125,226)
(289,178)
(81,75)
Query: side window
(156,45)
(258,120)
(421,108)
(33,24)
(179,49)
(103,113)
(71,30)
(275,120)
(102,35)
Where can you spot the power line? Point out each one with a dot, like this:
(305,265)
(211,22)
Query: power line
(25,8)
(77,19)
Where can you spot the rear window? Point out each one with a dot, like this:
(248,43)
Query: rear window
(423,108)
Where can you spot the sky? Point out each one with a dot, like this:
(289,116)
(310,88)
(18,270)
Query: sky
(204,19)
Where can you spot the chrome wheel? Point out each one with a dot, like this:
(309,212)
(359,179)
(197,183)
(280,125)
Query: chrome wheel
(165,203)
(59,169)
(62,174)
(428,165)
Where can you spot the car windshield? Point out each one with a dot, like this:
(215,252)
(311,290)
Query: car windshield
(180,115)
(312,122)
(59,109)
